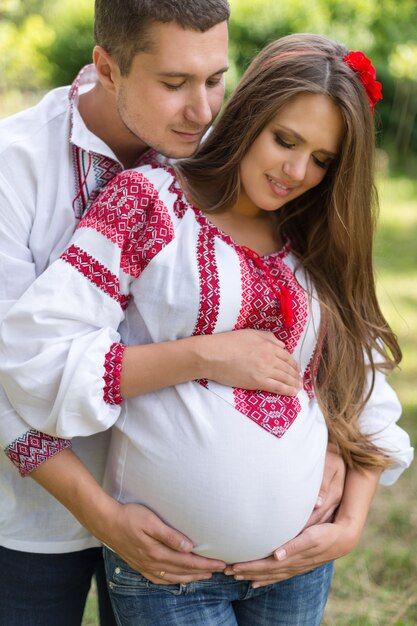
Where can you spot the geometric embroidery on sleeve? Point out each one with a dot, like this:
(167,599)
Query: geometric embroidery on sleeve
(96,273)
(113,370)
(34,448)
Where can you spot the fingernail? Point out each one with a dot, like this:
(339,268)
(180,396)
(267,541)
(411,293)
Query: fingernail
(281,554)
(238,577)
(319,501)
(186,546)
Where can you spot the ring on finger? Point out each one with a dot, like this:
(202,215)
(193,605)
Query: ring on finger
(161,573)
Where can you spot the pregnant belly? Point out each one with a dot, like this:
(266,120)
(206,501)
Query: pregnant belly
(237,492)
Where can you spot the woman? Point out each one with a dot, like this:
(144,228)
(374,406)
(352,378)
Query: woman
(268,227)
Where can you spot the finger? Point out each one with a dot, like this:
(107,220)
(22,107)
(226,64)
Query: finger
(184,563)
(251,567)
(170,578)
(283,389)
(164,534)
(304,544)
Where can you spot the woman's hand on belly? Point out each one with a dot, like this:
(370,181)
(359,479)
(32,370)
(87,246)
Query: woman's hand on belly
(317,544)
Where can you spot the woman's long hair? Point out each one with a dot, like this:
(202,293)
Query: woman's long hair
(331,227)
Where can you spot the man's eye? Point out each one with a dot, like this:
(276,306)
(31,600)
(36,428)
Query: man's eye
(213,82)
(172,87)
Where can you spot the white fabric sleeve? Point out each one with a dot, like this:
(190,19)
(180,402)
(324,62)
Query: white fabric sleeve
(17,272)
(55,339)
(379,420)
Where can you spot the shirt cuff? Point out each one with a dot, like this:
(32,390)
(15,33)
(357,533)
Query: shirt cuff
(113,371)
(34,448)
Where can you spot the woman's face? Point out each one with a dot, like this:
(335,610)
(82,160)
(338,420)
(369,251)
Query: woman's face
(291,155)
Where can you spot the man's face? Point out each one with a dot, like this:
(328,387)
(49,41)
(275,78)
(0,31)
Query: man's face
(175,90)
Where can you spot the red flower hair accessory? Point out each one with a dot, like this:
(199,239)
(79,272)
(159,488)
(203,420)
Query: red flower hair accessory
(363,67)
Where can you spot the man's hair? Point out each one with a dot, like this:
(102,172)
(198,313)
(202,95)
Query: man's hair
(121,27)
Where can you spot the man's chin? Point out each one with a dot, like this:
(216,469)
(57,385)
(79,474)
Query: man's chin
(182,152)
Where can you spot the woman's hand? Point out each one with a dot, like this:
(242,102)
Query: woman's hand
(246,359)
(250,359)
(320,543)
(315,546)
(331,489)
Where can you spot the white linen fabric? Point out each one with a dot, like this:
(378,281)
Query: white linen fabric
(237,471)
(51,166)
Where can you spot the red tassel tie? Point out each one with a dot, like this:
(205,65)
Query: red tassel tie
(280,291)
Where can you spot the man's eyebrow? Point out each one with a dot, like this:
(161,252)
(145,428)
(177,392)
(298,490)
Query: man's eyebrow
(302,140)
(223,70)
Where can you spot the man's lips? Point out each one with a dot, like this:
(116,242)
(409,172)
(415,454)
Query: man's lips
(188,135)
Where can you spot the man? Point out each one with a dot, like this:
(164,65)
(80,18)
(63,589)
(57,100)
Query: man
(159,82)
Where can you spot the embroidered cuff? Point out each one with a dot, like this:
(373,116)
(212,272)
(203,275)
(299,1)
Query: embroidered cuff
(34,448)
(113,370)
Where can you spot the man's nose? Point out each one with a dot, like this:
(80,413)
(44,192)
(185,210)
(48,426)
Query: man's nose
(198,110)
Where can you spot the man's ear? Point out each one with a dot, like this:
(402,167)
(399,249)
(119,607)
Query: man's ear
(106,67)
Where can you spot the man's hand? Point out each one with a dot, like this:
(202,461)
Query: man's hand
(151,547)
(131,530)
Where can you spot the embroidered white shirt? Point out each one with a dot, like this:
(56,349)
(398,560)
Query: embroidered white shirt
(237,471)
(51,166)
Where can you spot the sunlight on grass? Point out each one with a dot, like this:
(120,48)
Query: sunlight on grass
(375,585)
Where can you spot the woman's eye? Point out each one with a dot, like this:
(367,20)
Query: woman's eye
(284,143)
(323,164)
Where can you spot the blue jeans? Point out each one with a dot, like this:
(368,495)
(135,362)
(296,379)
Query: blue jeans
(220,601)
(50,589)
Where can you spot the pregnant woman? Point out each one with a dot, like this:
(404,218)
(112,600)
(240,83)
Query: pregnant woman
(269,228)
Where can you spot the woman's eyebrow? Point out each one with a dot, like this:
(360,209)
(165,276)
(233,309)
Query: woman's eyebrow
(302,140)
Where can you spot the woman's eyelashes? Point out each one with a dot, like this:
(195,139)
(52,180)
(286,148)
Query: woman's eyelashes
(284,143)
(290,146)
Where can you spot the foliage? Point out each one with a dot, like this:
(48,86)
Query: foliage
(44,43)
(23,53)
(73,44)
(383,29)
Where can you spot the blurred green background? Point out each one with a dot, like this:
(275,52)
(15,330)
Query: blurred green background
(43,43)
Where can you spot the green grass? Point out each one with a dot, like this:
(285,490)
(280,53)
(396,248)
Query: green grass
(376,584)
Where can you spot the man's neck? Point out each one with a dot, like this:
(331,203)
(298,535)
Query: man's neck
(99,112)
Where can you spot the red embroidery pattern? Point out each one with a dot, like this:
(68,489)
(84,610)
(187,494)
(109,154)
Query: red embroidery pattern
(209,284)
(113,368)
(130,214)
(96,273)
(272,412)
(279,270)
(249,288)
(179,207)
(308,381)
(34,448)
(260,309)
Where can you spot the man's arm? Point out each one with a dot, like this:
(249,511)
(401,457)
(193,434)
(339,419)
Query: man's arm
(132,530)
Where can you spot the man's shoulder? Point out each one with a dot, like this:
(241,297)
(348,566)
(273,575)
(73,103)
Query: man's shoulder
(26,127)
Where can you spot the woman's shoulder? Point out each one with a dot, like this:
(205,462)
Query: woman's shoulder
(154,173)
